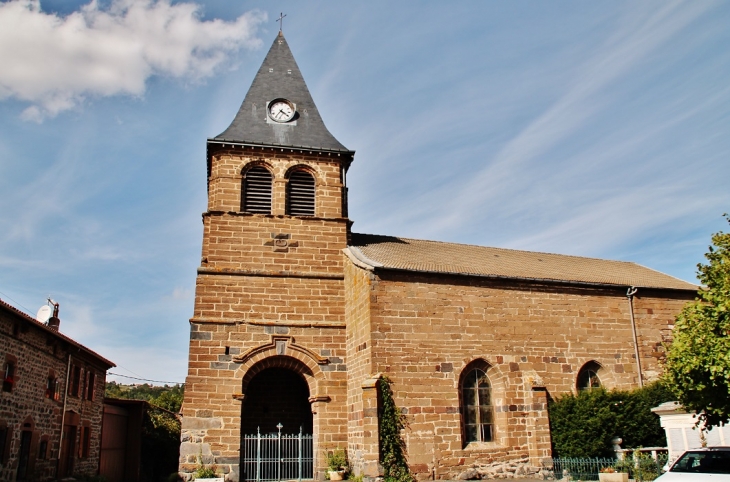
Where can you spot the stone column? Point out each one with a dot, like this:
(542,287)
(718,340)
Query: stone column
(539,441)
(371,445)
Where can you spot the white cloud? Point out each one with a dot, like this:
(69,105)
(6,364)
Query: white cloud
(55,62)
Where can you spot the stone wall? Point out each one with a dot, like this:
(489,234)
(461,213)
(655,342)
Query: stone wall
(362,440)
(228,165)
(269,294)
(534,338)
(275,291)
(39,354)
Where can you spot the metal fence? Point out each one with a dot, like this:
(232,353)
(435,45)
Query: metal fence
(277,456)
(644,468)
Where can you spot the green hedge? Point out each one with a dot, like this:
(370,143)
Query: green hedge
(583,425)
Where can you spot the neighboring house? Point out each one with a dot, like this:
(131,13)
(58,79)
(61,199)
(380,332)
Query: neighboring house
(296,317)
(51,400)
(684,434)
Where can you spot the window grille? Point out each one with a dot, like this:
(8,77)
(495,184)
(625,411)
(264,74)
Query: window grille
(476,400)
(300,194)
(257,191)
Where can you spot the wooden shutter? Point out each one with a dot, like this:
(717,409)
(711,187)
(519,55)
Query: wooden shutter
(257,191)
(300,194)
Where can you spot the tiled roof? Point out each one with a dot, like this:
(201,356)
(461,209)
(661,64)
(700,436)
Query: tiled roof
(389,252)
(29,319)
(280,77)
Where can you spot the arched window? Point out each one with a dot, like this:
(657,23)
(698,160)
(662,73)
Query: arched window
(300,194)
(476,406)
(588,378)
(256,196)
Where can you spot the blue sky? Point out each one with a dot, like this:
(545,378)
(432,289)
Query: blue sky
(598,129)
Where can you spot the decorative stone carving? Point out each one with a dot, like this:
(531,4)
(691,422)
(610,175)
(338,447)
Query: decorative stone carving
(280,343)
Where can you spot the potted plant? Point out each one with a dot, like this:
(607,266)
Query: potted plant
(336,464)
(206,472)
(611,474)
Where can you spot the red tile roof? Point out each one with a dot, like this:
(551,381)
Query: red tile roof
(389,252)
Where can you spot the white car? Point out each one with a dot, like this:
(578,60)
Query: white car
(711,464)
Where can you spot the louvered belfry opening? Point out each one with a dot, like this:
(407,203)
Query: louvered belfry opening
(257,191)
(300,194)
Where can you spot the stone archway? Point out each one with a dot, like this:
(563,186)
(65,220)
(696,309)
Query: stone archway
(276,395)
(277,423)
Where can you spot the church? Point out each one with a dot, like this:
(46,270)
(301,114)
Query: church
(296,318)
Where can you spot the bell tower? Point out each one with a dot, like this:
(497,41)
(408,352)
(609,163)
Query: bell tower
(268,331)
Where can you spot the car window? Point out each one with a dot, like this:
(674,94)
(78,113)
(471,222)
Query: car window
(704,463)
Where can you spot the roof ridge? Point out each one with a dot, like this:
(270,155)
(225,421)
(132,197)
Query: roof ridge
(67,338)
(665,274)
(508,249)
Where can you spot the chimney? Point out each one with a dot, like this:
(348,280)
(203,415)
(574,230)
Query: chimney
(54,322)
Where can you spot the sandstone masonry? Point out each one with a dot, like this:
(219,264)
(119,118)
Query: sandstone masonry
(296,318)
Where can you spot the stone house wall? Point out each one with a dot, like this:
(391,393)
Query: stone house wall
(38,354)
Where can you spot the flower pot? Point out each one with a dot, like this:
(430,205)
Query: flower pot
(336,474)
(613,477)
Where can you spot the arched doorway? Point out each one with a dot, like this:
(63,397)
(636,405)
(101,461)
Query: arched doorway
(277,422)
(276,396)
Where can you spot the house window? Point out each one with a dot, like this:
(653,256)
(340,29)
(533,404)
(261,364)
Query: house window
(43,449)
(52,386)
(257,191)
(5,437)
(300,194)
(85,442)
(75,385)
(588,378)
(9,376)
(476,406)
(90,379)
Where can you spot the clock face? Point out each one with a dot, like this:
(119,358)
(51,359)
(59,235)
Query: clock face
(281,110)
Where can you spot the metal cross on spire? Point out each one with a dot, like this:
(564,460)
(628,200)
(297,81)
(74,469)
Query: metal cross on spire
(281,21)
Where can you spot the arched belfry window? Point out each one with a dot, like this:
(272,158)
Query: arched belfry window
(256,196)
(476,405)
(300,194)
(588,376)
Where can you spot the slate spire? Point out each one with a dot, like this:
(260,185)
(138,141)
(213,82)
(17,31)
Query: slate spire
(279,78)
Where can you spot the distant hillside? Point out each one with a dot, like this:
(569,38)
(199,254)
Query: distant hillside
(166,397)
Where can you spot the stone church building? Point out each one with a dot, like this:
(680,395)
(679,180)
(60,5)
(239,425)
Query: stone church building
(296,317)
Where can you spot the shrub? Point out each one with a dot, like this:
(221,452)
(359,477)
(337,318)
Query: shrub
(392,446)
(583,425)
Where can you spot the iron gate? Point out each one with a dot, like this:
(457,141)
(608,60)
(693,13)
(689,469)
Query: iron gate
(277,456)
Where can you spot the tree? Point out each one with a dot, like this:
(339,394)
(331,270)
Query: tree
(698,360)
